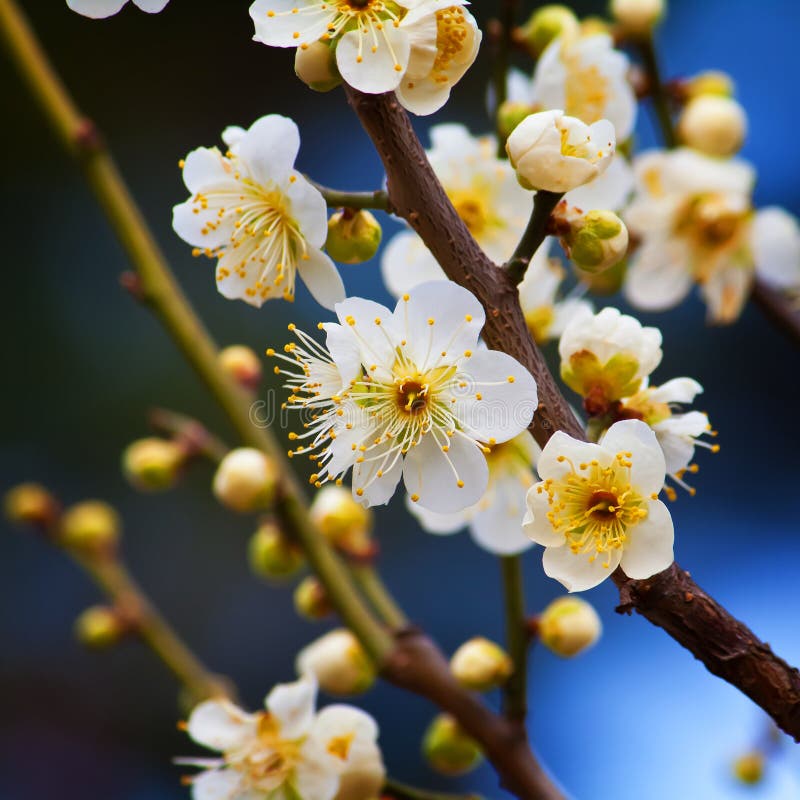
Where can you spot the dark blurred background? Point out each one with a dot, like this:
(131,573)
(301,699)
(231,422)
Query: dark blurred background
(637,717)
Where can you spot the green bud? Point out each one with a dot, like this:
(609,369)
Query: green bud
(546,24)
(749,768)
(448,749)
(568,626)
(605,283)
(152,464)
(30,504)
(91,527)
(99,627)
(595,240)
(603,224)
(481,665)
(353,236)
(315,65)
(311,600)
(510,114)
(272,554)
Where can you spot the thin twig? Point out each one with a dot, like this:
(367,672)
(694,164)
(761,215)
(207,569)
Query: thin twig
(356,200)
(515,704)
(188,431)
(658,94)
(543,205)
(375,592)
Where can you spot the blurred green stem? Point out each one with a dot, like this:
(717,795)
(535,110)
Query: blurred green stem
(515,689)
(375,591)
(647,49)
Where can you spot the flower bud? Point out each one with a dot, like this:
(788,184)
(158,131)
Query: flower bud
(342,521)
(242,364)
(592,26)
(481,665)
(315,65)
(604,283)
(510,114)
(568,626)
(448,749)
(99,627)
(637,17)
(749,768)
(339,663)
(546,24)
(353,236)
(92,527)
(272,554)
(245,480)
(709,82)
(595,240)
(31,504)
(152,464)
(713,124)
(311,600)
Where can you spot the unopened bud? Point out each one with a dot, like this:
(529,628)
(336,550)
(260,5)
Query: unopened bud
(31,504)
(342,521)
(713,124)
(91,527)
(448,749)
(481,665)
(315,65)
(595,240)
(510,114)
(637,17)
(749,768)
(568,626)
(246,480)
(353,236)
(242,364)
(710,82)
(99,627)
(592,26)
(152,464)
(311,599)
(339,663)
(272,554)
(546,24)
(604,283)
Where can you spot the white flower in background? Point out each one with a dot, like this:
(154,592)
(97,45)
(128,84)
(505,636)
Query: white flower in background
(420,48)
(338,662)
(99,9)
(494,520)
(555,152)
(408,392)
(694,217)
(606,356)
(596,507)
(610,190)
(289,750)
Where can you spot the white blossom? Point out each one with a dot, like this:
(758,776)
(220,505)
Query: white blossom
(407,392)
(99,9)
(259,218)
(596,507)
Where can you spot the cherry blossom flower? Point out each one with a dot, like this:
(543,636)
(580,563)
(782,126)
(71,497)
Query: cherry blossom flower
(99,9)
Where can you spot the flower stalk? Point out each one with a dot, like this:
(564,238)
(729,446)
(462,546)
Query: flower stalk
(544,204)
(514,691)
(357,201)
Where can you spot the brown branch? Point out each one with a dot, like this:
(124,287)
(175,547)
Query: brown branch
(778,309)
(726,646)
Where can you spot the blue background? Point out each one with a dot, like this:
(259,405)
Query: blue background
(637,717)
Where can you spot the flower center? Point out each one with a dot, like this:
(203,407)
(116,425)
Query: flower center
(269,759)
(412,397)
(452,34)
(539,321)
(585,90)
(472,208)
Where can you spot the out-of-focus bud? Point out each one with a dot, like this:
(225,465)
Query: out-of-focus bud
(710,82)
(315,65)
(568,626)
(448,749)
(749,768)
(545,24)
(152,464)
(637,17)
(342,521)
(242,364)
(481,665)
(246,480)
(592,26)
(594,241)
(339,663)
(364,775)
(100,627)
(272,554)
(311,600)
(91,527)
(605,283)
(30,504)
(510,114)
(353,236)
(713,124)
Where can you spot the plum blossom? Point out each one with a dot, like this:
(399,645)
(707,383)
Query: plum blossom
(408,393)
(597,508)
(99,9)
(259,218)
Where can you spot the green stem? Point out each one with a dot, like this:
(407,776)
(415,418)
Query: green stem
(543,205)
(659,96)
(500,69)
(377,200)
(375,591)
(188,430)
(400,791)
(515,692)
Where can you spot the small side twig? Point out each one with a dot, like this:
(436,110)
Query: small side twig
(543,205)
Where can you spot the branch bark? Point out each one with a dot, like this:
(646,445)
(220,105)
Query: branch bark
(724,644)
(777,308)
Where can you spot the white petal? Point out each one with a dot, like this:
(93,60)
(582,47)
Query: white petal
(322,278)
(610,190)
(658,277)
(314,780)
(406,263)
(535,524)
(221,784)
(277,26)
(443,524)
(151,6)
(373,72)
(269,149)
(498,528)
(377,490)
(518,86)
(649,546)
(308,209)
(575,571)
(677,390)
(206,168)
(726,292)
(232,135)
(220,725)
(293,705)
(339,719)
(193,227)
(775,240)
(377,341)
(97,9)
(344,350)
(637,438)
(562,444)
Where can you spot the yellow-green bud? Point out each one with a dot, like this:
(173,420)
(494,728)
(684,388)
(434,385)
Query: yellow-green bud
(345,523)
(152,464)
(596,240)
(637,17)
(605,283)
(448,749)
(510,114)
(353,236)
(713,124)
(548,23)
(568,626)
(315,65)
(99,627)
(30,504)
(272,554)
(710,82)
(339,663)
(246,480)
(311,600)
(749,768)
(481,665)
(591,26)
(92,527)
(242,364)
